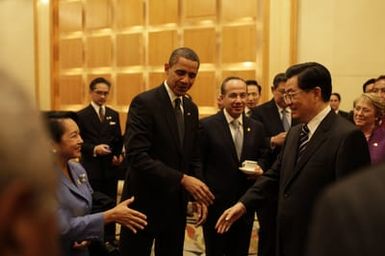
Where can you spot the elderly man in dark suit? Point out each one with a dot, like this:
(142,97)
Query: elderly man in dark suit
(221,158)
(315,154)
(163,157)
(101,152)
(276,118)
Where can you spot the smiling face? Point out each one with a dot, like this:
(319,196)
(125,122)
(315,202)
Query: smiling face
(181,75)
(364,114)
(234,97)
(70,144)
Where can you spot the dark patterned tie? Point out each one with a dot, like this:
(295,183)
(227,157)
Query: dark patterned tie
(303,141)
(179,119)
(238,140)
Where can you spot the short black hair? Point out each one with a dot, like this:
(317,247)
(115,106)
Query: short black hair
(337,95)
(254,82)
(223,84)
(279,78)
(369,81)
(54,122)
(99,80)
(311,75)
(185,53)
(381,77)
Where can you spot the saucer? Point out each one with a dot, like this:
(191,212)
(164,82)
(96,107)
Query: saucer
(247,170)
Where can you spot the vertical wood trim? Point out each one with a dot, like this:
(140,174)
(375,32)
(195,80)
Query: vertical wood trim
(293,32)
(36,52)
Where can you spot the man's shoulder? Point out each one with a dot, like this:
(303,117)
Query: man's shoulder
(265,108)
(212,119)
(85,111)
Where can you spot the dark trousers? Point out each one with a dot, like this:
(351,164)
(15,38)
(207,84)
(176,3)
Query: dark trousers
(235,242)
(168,242)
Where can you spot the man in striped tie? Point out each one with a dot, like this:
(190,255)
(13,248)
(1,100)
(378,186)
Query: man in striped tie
(325,152)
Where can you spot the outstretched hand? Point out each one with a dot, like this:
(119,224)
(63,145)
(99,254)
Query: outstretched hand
(197,189)
(229,216)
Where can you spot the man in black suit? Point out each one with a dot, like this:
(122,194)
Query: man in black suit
(315,154)
(335,101)
(276,118)
(102,148)
(163,157)
(349,217)
(220,162)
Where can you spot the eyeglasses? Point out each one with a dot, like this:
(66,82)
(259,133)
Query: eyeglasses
(378,90)
(289,96)
(101,93)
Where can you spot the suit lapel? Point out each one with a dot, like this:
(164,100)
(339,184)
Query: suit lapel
(77,189)
(227,136)
(247,137)
(319,137)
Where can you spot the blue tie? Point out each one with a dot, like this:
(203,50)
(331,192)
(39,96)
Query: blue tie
(303,141)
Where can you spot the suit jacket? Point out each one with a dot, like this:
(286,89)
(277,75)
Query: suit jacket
(330,155)
(155,157)
(349,218)
(219,158)
(75,203)
(93,133)
(343,114)
(269,116)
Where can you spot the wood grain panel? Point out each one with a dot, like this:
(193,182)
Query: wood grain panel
(204,90)
(203,41)
(70,16)
(71,90)
(71,53)
(129,13)
(233,10)
(127,87)
(129,50)
(155,79)
(164,11)
(99,51)
(161,44)
(239,43)
(245,74)
(199,9)
(98,14)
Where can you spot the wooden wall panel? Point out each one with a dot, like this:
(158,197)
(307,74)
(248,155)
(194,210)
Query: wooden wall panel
(164,11)
(200,9)
(99,51)
(129,49)
(245,74)
(71,90)
(71,53)
(232,10)
(203,41)
(161,45)
(98,14)
(155,79)
(127,87)
(239,43)
(70,16)
(129,13)
(204,90)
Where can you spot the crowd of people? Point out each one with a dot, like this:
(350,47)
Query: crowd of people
(311,169)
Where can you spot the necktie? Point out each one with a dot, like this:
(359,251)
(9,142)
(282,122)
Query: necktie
(303,141)
(101,114)
(238,140)
(285,121)
(179,120)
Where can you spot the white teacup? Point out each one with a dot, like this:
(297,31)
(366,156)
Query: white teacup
(248,164)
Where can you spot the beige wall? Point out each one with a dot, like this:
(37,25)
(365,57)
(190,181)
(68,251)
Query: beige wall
(347,36)
(17,41)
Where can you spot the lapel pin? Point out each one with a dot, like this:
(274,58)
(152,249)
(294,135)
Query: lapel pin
(248,129)
(188,113)
(108,117)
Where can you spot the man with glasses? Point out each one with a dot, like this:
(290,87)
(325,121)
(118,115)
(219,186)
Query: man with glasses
(379,86)
(102,149)
(316,153)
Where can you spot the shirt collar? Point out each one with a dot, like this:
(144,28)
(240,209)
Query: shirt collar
(229,118)
(171,94)
(314,123)
(96,106)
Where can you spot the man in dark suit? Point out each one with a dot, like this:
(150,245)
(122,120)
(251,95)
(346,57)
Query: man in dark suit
(276,118)
(163,157)
(220,162)
(349,217)
(253,94)
(101,151)
(335,101)
(314,155)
